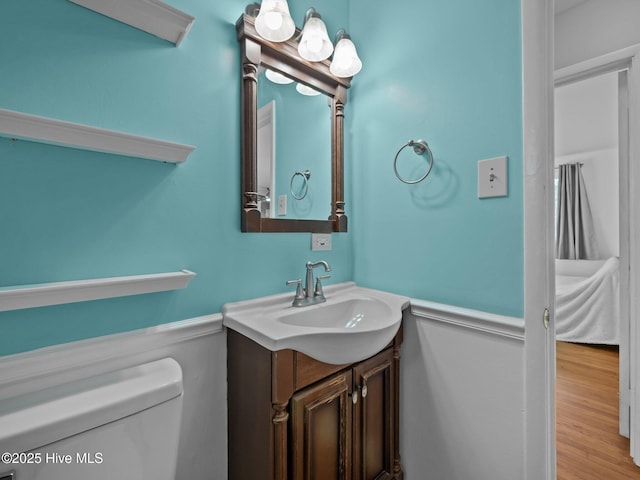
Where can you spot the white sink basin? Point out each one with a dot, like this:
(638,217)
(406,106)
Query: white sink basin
(353,324)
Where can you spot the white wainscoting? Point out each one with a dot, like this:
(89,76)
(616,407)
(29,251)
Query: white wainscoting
(462,394)
(198,345)
(462,388)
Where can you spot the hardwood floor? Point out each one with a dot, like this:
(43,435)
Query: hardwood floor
(587,441)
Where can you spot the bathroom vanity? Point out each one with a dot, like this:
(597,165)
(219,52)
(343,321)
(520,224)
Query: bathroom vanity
(294,417)
(313,387)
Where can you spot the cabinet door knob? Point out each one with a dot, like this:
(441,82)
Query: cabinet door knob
(364,390)
(354,396)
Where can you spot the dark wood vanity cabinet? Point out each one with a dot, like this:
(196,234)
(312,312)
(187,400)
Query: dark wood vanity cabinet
(375,421)
(321,429)
(294,418)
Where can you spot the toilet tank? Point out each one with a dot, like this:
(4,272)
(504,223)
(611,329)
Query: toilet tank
(123,424)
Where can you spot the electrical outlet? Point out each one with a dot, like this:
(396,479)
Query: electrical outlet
(320,241)
(282,205)
(492,177)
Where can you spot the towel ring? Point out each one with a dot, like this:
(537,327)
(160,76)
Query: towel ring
(305,177)
(419,147)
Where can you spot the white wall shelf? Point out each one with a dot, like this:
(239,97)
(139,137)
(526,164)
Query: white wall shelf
(152,16)
(58,132)
(58,293)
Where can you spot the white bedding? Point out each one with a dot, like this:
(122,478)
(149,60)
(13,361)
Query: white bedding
(588,305)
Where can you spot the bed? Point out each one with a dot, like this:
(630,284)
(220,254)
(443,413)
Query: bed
(588,301)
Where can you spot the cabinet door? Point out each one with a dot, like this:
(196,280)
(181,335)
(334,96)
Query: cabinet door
(321,430)
(374,430)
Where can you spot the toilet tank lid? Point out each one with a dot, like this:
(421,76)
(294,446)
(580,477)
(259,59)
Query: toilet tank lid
(39,418)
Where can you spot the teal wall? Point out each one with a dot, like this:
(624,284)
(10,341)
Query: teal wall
(69,214)
(448,72)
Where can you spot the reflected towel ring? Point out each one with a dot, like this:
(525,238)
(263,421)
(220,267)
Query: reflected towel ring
(305,177)
(419,147)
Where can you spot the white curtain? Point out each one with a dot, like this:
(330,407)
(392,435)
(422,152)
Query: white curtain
(575,235)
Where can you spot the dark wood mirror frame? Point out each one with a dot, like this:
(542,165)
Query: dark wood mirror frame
(283,58)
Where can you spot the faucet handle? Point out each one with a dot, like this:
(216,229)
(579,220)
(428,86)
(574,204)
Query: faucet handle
(299,290)
(318,291)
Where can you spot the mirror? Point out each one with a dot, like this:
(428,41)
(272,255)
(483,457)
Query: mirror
(292,144)
(294,154)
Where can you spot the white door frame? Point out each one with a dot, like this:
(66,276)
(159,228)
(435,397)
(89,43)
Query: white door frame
(626,212)
(539,284)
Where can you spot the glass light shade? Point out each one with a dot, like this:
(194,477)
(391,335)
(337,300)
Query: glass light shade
(304,90)
(276,77)
(346,62)
(274,21)
(315,44)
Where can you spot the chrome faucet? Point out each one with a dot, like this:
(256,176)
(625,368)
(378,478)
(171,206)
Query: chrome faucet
(308,295)
(308,289)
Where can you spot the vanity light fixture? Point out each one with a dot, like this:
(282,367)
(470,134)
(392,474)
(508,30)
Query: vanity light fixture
(346,62)
(277,77)
(274,21)
(308,91)
(315,44)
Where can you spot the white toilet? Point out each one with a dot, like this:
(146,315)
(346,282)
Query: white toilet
(124,424)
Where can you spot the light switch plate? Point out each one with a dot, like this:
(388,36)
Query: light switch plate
(492,177)
(320,241)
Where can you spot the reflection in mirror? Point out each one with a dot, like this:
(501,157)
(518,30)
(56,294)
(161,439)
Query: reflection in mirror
(293,129)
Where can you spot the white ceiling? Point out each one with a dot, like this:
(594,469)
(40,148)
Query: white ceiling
(564,5)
